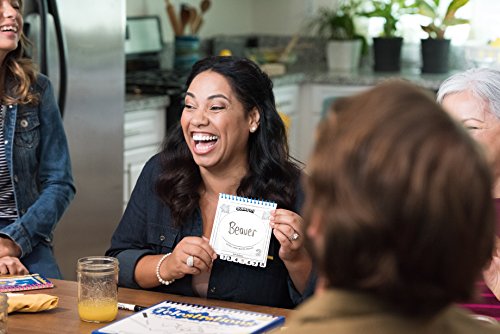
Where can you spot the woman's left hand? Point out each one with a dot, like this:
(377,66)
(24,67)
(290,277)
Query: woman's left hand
(287,227)
(491,274)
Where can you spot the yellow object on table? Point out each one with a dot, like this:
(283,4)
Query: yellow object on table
(31,302)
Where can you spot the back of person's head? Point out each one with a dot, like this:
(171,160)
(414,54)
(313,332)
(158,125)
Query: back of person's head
(483,83)
(404,200)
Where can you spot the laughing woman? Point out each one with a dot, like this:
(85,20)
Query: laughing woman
(36,185)
(230,140)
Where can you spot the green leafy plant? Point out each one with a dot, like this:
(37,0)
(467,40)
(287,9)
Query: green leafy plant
(337,23)
(437,28)
(390,11)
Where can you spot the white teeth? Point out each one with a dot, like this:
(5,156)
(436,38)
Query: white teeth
(198,137)
(8,28)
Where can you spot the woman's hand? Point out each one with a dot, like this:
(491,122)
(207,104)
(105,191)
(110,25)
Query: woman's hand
(491,274)
(287,227)
(192,255)
(8,247)
(288,230)
(10,265)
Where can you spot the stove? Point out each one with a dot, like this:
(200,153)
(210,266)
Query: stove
(154,82)
(144,76)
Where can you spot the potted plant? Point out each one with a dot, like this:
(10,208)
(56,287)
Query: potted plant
(337,26)
(436,48)
(387,47)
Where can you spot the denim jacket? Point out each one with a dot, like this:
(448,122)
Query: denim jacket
(38,158)
(147,228)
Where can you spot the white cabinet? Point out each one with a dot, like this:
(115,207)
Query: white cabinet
(287,103)
(145,124)
(314,100)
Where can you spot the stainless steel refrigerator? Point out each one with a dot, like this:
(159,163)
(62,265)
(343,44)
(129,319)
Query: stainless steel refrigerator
(80,45)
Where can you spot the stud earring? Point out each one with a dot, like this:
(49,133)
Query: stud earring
(253,128)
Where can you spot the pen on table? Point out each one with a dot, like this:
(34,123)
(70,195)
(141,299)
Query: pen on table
(131,307)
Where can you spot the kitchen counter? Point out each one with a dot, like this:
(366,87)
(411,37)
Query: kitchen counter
(139,102)
(361,78)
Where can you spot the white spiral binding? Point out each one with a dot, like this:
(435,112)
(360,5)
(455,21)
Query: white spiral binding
(245,200)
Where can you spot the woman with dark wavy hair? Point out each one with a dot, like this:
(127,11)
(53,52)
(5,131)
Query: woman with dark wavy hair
(230,140)
(36,185)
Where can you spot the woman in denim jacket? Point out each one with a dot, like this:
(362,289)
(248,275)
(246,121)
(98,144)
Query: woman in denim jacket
(230,140)
(36,185)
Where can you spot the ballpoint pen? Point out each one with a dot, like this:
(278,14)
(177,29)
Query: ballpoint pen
(131,307)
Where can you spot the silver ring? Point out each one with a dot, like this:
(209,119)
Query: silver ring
(294,236)
(190,261)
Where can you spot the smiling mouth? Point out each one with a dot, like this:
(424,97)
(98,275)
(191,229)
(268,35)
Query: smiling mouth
(203,143)
(8,28)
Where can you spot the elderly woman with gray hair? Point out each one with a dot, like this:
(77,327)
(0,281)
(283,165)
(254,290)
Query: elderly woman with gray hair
(473,98)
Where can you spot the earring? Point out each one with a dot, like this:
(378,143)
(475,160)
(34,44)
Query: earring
(253,128)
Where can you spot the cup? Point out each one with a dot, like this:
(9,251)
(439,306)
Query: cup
(97,288)
(3,313)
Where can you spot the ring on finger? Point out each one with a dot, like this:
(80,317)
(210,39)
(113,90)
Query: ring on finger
(190,261)
(294,236)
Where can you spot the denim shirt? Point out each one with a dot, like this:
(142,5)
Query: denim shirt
(38,158)
(147,228)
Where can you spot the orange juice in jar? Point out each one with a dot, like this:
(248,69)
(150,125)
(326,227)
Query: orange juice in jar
(101,310)
(97,288)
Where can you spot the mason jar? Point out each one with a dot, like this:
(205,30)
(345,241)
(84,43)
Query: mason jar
(97,288)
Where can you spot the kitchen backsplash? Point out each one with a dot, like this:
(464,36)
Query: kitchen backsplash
(309,52)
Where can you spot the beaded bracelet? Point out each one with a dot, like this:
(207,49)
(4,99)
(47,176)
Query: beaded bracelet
(161,280)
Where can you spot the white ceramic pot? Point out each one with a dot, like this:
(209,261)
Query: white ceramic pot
(343,55)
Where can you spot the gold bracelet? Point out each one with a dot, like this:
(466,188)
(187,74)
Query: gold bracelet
(161,280)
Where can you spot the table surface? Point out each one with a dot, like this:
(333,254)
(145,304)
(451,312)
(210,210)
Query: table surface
(64,318)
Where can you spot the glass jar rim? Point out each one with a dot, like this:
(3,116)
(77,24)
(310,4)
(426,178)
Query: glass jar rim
(97,264)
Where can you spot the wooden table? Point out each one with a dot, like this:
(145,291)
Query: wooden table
(64,319)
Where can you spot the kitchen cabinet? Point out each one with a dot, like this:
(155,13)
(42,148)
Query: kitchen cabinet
(145,128)
(315,99)
(287,103)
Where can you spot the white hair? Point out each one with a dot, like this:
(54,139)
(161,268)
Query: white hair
(483,83)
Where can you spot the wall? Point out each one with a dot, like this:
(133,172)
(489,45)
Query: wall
(285,17)
(228,17)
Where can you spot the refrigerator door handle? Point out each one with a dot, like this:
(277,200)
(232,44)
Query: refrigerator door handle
(42,10)
(63,55)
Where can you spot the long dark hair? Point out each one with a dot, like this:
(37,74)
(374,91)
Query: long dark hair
(272,173)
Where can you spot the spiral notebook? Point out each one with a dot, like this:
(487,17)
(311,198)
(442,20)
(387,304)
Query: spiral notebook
(241,231)
(24,282)
(173,317)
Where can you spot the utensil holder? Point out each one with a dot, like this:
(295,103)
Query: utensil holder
(186,53)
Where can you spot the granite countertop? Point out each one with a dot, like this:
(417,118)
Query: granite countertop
(362,77)
(138,102)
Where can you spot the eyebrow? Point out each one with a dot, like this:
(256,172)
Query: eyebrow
(472,119)
(211,97)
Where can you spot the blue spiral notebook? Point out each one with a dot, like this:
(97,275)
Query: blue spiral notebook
(173,317)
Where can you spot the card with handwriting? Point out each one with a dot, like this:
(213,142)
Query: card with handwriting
(241,231)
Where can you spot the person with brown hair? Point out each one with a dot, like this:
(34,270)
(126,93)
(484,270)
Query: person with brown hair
(398,217)
(36,184)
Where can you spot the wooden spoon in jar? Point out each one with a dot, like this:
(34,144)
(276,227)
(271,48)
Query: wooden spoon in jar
(204,7)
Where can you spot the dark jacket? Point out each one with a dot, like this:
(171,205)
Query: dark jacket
(147,228)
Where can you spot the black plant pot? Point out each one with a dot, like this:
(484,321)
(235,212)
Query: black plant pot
(435,55)
(387,54)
